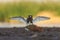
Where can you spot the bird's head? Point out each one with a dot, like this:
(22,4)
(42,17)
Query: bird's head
(30,16)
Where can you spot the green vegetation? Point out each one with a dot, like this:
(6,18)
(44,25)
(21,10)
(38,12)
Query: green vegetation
(24,9)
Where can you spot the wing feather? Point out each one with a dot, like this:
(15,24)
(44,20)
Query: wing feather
(40,18)
(19,19)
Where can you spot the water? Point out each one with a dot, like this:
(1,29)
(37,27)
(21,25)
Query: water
(9,25)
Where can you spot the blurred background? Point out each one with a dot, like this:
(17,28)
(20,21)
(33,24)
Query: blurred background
(49,8)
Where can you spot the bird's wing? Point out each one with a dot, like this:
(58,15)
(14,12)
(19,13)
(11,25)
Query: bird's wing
(19,19)
(40,18)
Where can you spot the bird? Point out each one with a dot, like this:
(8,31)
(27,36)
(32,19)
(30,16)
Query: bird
(30,20)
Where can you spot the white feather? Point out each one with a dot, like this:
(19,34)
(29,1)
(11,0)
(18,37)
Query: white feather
(19,19)
(40,18)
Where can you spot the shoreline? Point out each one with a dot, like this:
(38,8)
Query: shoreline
(9,25)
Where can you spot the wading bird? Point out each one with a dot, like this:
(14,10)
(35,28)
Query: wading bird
(30,20)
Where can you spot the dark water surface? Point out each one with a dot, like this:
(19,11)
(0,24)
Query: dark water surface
(22,34)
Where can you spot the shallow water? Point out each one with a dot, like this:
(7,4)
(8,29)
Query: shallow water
(8,25)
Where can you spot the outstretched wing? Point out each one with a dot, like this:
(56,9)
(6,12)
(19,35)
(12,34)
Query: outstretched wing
(19,19)
(40,18)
